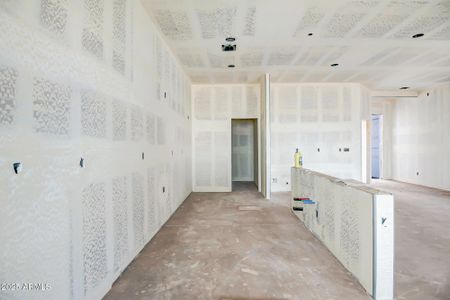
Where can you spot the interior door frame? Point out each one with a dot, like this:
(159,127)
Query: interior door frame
(256,146)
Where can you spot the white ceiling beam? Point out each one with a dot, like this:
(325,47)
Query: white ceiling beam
(392,94)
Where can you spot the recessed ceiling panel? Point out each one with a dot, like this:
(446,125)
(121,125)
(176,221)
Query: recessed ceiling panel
(175,25)
(421,24)
(251,59)
(249,27)
(371,40)
(310,19)
(220,61)
(281,58)
(217,22)
(191,60)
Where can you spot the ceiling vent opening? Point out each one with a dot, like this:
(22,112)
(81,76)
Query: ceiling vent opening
(228,48)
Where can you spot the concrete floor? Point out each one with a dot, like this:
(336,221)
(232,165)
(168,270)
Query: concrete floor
(240,246)
(235,246)
(422,241)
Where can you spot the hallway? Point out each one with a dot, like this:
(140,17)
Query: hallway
(422,241)
(235,246)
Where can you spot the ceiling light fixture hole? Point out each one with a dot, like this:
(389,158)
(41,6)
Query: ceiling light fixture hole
(404,87)
(417,35)
(335,65)
(228,48)
(310,34)
(231,66)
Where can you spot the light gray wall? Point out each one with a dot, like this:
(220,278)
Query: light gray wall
(421,138)
(312,116)
(213,108)
(86,79)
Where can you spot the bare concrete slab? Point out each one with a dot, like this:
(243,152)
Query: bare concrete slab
(422,241)
(211,248)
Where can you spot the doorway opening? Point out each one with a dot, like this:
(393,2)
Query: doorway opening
(244,154)
(376,142)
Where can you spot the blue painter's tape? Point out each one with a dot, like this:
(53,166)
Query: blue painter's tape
(308,202)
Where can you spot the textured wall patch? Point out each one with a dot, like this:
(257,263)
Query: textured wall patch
(94,235)
(137,123)
(8,79)
(119,119)
(151,128)
(53,15)
(92,36)
(51,107)
(119,199)
(93,114)
(119,35)
(161,131)
(138,209)
(151,201)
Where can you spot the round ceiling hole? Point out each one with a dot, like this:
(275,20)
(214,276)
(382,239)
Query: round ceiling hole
(310,34)
(404,87)
(230,39)
(231,66)
(417,35)
(335,65)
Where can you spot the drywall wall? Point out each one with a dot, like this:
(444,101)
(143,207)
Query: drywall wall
(421,138)
(95,108)
(323,121)
(213,107)
(244,150)
(355,222)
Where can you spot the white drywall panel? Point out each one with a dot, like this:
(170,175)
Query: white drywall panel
(354,222)
(421,138)
(84,80)
(383,247)
(264,128)
(323,121)
(213,107)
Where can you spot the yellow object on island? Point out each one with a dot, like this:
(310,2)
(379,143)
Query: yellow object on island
(298,159)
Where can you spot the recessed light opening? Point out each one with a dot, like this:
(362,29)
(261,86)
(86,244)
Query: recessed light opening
(335,65)
(404,87)
(230,39)
(231,66)
(310,34)
(417,35)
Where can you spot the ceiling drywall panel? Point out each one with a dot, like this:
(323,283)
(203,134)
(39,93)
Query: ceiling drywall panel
(369,39)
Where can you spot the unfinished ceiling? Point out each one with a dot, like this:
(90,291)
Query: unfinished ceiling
(371,40)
